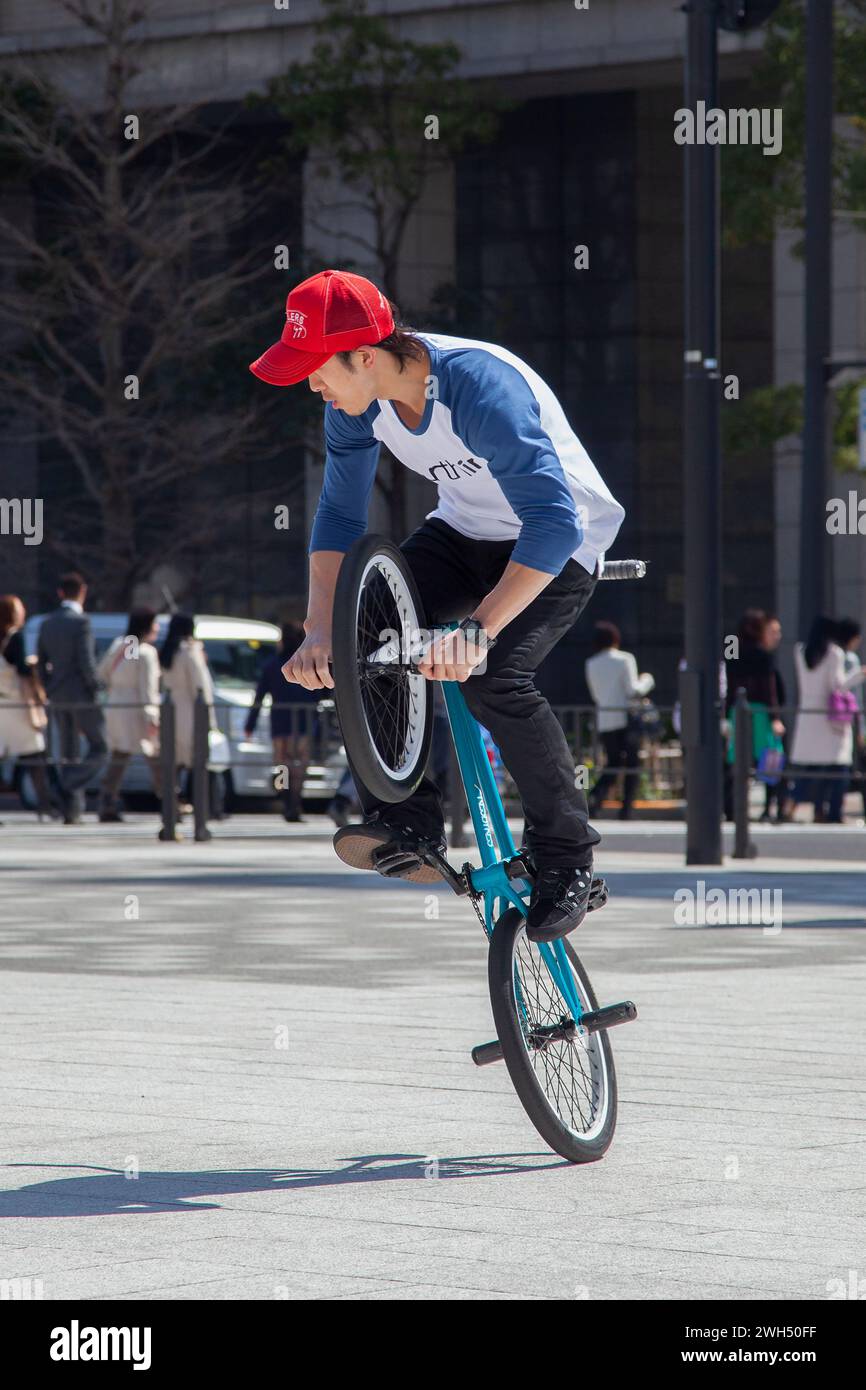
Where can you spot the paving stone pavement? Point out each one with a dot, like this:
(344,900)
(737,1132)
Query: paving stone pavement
(241,1070)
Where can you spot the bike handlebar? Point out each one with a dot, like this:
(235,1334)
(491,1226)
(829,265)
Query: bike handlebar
(624,569)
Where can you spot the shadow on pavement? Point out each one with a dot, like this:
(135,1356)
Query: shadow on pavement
(108,1192)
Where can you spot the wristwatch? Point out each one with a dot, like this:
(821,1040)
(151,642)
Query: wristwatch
(477,633)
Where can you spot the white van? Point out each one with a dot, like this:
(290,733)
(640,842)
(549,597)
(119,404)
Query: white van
(236,650)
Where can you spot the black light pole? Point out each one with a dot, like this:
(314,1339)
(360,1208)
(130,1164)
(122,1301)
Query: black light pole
(699,683)
(815,574)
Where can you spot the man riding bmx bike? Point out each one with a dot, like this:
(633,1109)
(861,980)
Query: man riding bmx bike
(512,549)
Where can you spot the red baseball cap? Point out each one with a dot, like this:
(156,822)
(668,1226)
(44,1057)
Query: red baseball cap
(333,311)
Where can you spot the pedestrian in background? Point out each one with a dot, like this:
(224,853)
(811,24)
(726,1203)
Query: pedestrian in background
(129,670)
(67,669)
(823,735)
(185,673)
(616,686)
(848,636)
(292,729)
(22,702)
(752,669)
(777,793)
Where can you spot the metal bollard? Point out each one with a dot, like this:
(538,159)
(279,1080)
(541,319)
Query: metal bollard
(200,754)
(168,830)
(596,747)
(744,846)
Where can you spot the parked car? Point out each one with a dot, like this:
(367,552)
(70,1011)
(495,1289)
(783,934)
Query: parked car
(236,649)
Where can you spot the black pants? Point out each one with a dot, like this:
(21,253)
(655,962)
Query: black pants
(827,794)
(621,749)
(453,574)
(75,776)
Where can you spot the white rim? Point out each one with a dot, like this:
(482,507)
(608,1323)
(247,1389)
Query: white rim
(590,1062)
(417,694)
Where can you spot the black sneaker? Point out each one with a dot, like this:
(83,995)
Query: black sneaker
(391,848)
(559,902)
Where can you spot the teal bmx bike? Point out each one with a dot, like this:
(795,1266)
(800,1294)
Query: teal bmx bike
(550,1032)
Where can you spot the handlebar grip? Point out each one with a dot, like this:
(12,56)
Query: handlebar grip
(624,569)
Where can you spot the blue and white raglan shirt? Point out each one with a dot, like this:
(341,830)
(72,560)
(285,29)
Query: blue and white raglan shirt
(496,442)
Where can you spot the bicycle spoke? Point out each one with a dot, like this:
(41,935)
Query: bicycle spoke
(569,1071)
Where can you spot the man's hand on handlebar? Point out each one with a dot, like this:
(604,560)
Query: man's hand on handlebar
(451,657)
(308,666)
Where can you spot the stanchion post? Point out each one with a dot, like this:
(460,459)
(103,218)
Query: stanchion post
(744,846)
(200,754)
(168,761)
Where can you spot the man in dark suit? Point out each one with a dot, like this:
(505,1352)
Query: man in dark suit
(67,666)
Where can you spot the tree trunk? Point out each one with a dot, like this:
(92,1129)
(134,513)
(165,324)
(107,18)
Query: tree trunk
(118,544)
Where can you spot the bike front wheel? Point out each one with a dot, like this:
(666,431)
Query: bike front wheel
(385,710)
(563,1076)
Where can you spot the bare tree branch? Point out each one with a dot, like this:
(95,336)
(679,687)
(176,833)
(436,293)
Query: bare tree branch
(140,274)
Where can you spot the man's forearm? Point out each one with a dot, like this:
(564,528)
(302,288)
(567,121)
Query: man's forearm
(324,568)
(515,591)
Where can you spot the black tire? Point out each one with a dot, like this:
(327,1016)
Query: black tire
(567,1140)
(383,777)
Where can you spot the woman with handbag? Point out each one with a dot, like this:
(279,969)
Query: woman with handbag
(778,787)
(824,736)
(22,703)
(848,636)
(752,669)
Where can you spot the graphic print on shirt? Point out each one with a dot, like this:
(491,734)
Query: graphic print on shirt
(452,471)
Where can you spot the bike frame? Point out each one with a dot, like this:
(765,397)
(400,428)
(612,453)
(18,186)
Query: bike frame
(494,839)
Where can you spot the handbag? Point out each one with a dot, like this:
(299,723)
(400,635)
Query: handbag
(33,694)
(842,707)
(771,764)
(38,715)
(645,720)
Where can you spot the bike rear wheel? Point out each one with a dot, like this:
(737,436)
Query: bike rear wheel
(563,1076)
(385,711)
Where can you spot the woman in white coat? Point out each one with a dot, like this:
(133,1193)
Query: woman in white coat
(22,702)
(130,673)
(184,673)
(822,743)
(616,686)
